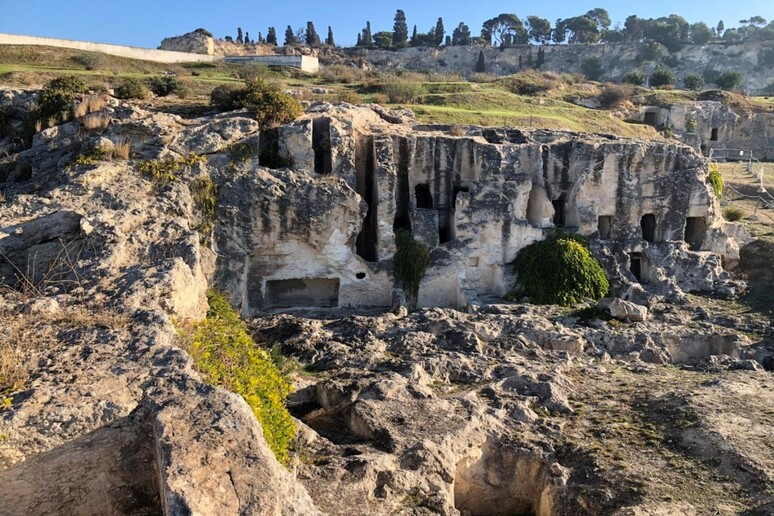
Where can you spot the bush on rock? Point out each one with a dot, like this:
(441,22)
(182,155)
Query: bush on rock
(559,270)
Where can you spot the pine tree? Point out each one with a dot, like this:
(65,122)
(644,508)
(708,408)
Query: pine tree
(312,39)
(721,28)
(439,32)
(240,40)
(290,37)
(329,40)
(271,37)
(368,41)
(400,30)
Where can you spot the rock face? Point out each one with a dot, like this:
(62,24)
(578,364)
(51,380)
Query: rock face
(616,59)
(97,261)
(436,412)
(715,130)
(196,42)
(323,233)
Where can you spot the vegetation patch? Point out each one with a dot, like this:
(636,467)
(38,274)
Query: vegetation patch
(268,104)
(411,259)
(715,178)
(732,214)
(165,170)
(205,195)
(132,88)
(57,97)
(166,85)
(559,270)
(227,356)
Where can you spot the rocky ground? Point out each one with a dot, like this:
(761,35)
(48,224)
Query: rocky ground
(518,410)
(511,409)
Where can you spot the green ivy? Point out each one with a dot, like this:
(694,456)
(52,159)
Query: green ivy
(227,356)
(560,270)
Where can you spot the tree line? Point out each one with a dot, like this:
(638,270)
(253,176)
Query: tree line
(507,29)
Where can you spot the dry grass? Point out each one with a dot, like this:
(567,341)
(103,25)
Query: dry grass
(457,131)
(122,148)
(90,104)
(25,332)
(96,121)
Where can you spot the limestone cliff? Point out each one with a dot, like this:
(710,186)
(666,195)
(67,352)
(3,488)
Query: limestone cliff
(616,59)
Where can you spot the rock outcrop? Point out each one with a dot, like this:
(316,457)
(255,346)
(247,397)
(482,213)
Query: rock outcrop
(197,42)
(323,232)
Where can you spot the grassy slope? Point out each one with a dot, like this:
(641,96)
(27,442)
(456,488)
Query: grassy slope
(446,102)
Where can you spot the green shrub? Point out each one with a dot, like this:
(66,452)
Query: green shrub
(132,88)
(91,60)
(693,82)
(592,68)
(614,95)
(349,97)
(560,270)
(650,51)
(165,85)
(635,77)
(662,77)
(729,80)
(165,170)
(268,104)
(411,259)
(691,125)
(715,179)
(228,97)
(732,214)
(227,356)
(402,92)
(531,83)
(57,97)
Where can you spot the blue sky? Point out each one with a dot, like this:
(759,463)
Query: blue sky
(145,23)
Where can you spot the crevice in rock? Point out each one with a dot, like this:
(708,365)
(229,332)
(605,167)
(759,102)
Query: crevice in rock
(402,201)
(269,154)
(321,144)
(366,187)
(501,481)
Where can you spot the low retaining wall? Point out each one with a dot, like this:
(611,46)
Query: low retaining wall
(146,54)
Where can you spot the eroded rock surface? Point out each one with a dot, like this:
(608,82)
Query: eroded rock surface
(441,411)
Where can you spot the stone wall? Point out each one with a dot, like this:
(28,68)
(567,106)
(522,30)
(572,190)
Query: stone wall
(159,56)
(616,59)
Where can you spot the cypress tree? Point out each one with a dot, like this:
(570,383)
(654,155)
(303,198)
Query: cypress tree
(400,30)
(239,39)
(271,37)
(439,32)
(312,39)
(359,40)
(290,37)
(368,41)
(481,64)
(247,38)
(414,37)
